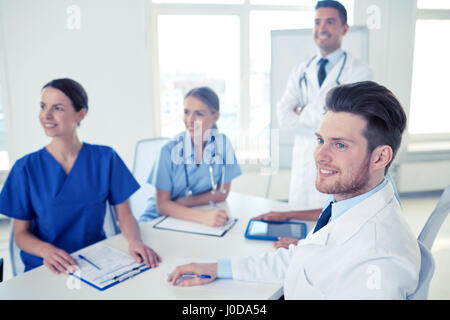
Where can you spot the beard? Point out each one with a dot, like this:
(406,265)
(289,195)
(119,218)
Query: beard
(349,185)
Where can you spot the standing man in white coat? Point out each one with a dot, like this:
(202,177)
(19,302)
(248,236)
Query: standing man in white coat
(301,108)
(361,247)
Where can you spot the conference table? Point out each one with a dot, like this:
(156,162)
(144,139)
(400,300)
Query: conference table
(174,248)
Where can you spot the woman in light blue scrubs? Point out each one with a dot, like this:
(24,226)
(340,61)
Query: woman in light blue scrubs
(195,167)
(57,195)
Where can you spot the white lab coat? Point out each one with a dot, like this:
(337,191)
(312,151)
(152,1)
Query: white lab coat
(302,192)
(367,253)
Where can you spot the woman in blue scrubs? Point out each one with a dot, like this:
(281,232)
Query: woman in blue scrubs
(57,195)
(195,167)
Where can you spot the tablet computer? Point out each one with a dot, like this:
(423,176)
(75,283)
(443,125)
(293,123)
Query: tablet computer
(271,230)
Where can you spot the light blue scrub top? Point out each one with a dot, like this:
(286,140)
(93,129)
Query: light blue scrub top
(169,173)
(66,210)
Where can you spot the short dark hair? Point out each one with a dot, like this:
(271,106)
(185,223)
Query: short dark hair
(335,5)
(386,119)
(73,90)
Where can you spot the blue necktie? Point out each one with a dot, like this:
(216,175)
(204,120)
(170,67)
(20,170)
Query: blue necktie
(322,74)
(323,219)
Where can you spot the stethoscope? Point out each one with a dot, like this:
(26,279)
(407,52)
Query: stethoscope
(303,82)
(215,189)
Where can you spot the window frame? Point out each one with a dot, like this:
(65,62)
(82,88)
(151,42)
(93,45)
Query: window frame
(436,139)
(4,96)
(242,11)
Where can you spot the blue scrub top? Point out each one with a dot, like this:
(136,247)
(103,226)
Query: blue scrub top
(169,173)
(66,210)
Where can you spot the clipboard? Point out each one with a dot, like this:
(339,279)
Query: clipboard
(102,266)
(180,225)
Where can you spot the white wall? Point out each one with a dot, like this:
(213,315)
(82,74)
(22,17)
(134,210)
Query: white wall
(391,57)
(391,42)
(109,55)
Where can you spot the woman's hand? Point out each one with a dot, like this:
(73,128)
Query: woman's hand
(188,274)
(215,217)
(57,260)
(141,253)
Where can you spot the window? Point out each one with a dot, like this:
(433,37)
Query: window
(200,1)
(225,45)
(4,163)
(430,98)
(433,4)
(430,108)
(189,58)
(4,160)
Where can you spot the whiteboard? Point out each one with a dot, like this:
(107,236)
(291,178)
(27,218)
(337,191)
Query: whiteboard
(289,48)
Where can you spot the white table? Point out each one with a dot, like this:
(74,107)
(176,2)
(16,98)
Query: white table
(174,248)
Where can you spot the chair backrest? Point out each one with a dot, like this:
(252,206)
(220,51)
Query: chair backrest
(145,155)
(110,227)
(426,239)
(435,220)
(425,274)
(1,269)
(17,266)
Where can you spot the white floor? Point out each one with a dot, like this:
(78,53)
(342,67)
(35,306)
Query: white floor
(416,210)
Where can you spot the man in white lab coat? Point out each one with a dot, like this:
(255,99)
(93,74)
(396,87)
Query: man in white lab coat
(361,247)
(300,109)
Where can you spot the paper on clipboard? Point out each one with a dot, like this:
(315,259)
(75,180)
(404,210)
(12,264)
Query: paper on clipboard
(108,266)
(174,224)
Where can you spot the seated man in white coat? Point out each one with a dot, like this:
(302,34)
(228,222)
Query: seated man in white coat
(361,247)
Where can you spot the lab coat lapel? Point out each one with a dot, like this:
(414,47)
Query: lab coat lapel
(319,238)
(352,220)
(330,80)
(343,228)
(311,75)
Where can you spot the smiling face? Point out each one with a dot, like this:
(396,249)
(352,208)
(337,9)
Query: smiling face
(342,160)
(328,30)
(198,118)
(58,116)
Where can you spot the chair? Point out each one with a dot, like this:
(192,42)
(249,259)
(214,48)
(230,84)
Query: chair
(1,269)
(145,155)
(110,227)
(17,266)
(425,274)
(436,219)
(425,240)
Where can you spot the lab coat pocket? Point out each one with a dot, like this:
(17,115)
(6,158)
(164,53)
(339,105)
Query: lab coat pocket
(305,288)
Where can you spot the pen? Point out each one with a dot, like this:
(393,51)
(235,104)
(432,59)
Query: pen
(213,204)
(88,261)
(120,277)
(126,272)
(202,276)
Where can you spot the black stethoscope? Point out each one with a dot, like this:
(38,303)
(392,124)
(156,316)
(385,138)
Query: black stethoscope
(303,82)
(214,185)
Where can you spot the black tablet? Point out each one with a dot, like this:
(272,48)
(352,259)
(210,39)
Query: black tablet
(271,230)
